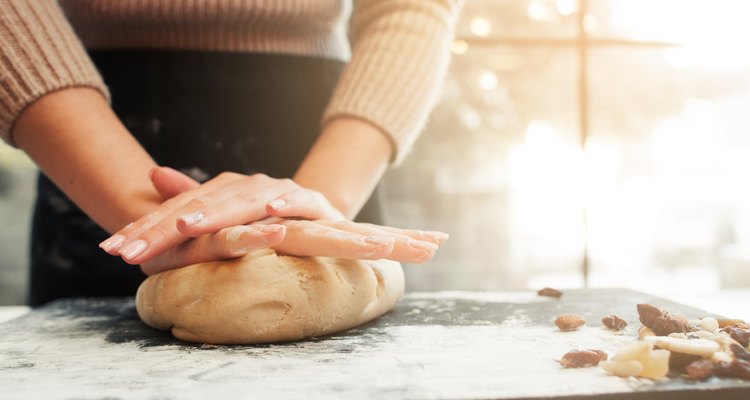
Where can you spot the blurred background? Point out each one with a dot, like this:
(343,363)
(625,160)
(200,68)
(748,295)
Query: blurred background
(576,143)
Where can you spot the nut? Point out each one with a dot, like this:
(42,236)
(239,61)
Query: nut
(661,322)
(549,292)
(569,322)
(723,368)
(709,323)
(582,358)
(698,347)
(654,362)
(701,335)
(739,352)
(699,369)
(723,339)
(668,323)
(742,336)
(614,322)
(681,360)
(648,314)
(740,369)
(632,351)
(694,326)
(622,368)
(736,368)
(735,323)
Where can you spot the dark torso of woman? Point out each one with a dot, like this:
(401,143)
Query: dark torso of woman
(202,113)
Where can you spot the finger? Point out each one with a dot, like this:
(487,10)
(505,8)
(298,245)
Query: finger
(244,206)
(436,237)
(307,238)
(164,235)
(193,199)
(303,203)
(405,247)
(170,182)
(232,242)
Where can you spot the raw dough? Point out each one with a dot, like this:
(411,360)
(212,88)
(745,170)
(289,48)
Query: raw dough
(264,297)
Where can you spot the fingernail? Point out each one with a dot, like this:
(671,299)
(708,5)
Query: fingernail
(277,204)
(152,171)
(133,249)
(379,240)
(192,219)
(436,236)
(112,243)
(417,244)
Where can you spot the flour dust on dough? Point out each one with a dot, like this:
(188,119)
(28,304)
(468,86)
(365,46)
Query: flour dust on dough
(265,297)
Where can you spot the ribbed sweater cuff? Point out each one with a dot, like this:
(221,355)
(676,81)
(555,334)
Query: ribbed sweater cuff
(400,57)
(39,54)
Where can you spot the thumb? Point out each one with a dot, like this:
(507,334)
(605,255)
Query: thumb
(170,182)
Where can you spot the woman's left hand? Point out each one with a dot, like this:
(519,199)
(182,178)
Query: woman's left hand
(340,239)
(192,210)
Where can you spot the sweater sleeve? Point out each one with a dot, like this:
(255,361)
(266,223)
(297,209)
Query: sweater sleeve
(39,54)
(400,55)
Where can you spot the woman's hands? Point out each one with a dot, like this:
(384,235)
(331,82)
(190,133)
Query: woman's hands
(192,210)
(206,222)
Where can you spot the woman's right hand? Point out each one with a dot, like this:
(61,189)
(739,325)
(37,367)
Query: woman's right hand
(192,210)
(333,236)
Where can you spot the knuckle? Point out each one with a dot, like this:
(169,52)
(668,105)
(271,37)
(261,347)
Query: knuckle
(260,177)
(156,233)
(382,252)
(227,175)
(145,222)
(295,227)
(254,181)
(199,203)
(369,254)
(129,228)
(248,197)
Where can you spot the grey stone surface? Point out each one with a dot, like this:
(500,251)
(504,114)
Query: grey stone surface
(434,345)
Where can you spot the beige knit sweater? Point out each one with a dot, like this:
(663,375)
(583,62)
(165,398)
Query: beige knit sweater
(399,55)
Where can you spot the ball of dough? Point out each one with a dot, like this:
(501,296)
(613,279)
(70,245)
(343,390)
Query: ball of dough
(264,297)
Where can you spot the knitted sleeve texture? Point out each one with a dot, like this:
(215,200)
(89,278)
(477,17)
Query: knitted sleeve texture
(400,55)
(39,54)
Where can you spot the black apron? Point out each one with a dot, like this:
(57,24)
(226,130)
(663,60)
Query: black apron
(199,112)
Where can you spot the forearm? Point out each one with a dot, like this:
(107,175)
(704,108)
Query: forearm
(78,141)
(346,163)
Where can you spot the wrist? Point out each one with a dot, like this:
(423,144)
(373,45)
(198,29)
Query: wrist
(346,163)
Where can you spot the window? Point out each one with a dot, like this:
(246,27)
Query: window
(602,142)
